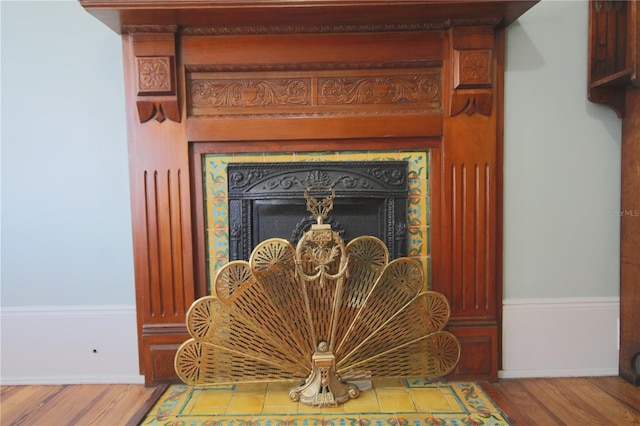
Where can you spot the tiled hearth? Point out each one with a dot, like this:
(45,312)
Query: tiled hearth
(389,402)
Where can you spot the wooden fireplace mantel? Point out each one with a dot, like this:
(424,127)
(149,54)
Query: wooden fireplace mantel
(437,69)
(300,13)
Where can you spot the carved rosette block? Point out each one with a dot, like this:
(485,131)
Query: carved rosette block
(472,68)
(155,74)
(472,74)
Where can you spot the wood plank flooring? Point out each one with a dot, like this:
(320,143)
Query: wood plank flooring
(556,401)
(568,401)
(108,405)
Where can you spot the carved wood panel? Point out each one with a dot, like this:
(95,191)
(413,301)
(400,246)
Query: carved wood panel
(324,91)
(163,200)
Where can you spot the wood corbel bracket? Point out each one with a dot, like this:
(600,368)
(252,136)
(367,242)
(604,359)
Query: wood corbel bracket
(154,50)
(472,60)
(614,97)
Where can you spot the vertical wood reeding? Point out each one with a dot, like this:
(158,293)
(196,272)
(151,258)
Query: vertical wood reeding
(476,235)
(183,279)
(165,254)
(148,242)
(488,232)
(465,235)
(471,266)
(454,227)
(172,260)
(158,235)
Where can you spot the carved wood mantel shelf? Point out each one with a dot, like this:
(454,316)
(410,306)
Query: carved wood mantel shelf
(267,76)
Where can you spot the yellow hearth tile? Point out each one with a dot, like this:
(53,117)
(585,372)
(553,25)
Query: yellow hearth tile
(453,400)
(209,401)
(251,387)
(246,403)
(308,409)
(429,400)
(393,400)
(277,397)
(388,383)
(280,410)
(367,402)
(279,386)
(333,410)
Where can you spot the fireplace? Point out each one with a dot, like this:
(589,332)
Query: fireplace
(280,78)
(248,199)
(266,200)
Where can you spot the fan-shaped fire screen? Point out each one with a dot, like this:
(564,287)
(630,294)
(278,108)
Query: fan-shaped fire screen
(322,313)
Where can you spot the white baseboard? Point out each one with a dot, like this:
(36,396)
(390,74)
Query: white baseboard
(560,337)
(69,345)
(55,345)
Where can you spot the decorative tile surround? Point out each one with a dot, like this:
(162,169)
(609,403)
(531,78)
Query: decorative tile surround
(216,203)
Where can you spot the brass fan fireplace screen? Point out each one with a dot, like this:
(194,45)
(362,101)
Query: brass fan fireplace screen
(322,313)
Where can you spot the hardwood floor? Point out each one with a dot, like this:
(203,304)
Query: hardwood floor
(62,405)
(568,401)
(557,401)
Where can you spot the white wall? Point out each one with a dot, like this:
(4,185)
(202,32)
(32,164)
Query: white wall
(66,228)
(562,163)
(561,198)
(66,231)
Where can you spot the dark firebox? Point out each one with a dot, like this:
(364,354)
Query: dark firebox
(266,201)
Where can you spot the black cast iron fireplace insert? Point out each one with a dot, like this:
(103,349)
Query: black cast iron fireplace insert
(266,201)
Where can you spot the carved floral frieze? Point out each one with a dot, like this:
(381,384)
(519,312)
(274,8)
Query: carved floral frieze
(250,92)
(315,92)
(378,90)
